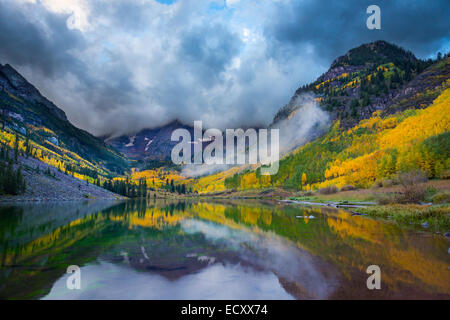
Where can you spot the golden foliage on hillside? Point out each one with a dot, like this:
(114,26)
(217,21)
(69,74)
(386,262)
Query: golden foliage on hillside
(157,178)
(392,138)
(375,149)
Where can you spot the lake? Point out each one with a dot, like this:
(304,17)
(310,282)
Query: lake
(230,249)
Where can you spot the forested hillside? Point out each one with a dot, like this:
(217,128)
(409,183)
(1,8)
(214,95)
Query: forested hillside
(374,76)
(390,115)
(34,118)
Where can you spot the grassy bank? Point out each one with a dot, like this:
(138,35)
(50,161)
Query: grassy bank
(436,192)
(432,214)
(434,218)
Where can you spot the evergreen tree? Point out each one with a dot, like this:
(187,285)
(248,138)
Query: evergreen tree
(16,147)
(27,146)
(3,119)
(11,181)
(354,107)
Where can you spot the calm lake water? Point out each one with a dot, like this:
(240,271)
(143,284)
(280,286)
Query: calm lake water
(213,250)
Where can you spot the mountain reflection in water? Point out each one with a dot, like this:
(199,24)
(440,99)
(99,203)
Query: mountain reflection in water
(213,250)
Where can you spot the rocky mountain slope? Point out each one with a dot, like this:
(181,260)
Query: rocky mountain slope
(46,183)
(371,77)
(43,156)
(23,109)
(148,144)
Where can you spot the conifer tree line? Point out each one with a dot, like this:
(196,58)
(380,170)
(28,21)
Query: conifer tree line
(170,186)
(132,190)
(12,181)
(127,187)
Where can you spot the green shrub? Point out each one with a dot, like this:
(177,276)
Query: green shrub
(442,197)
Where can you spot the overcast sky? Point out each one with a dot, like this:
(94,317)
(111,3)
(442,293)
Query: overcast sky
(117,66)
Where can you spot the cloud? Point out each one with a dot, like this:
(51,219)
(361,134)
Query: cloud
(45,43)
(119,66)
(308,121)
(209,50)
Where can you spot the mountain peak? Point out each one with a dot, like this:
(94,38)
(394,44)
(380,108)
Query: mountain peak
(378,52)
(150,144)
(362,81)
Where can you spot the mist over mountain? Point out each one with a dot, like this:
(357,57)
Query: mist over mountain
(353,87)
(335,95)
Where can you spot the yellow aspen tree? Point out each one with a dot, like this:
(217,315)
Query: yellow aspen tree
(303,179)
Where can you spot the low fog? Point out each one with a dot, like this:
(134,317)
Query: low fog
(305,123)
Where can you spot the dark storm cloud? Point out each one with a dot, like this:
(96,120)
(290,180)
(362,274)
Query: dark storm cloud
(43,45)
(120,66)
(334,27)
(209,49)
